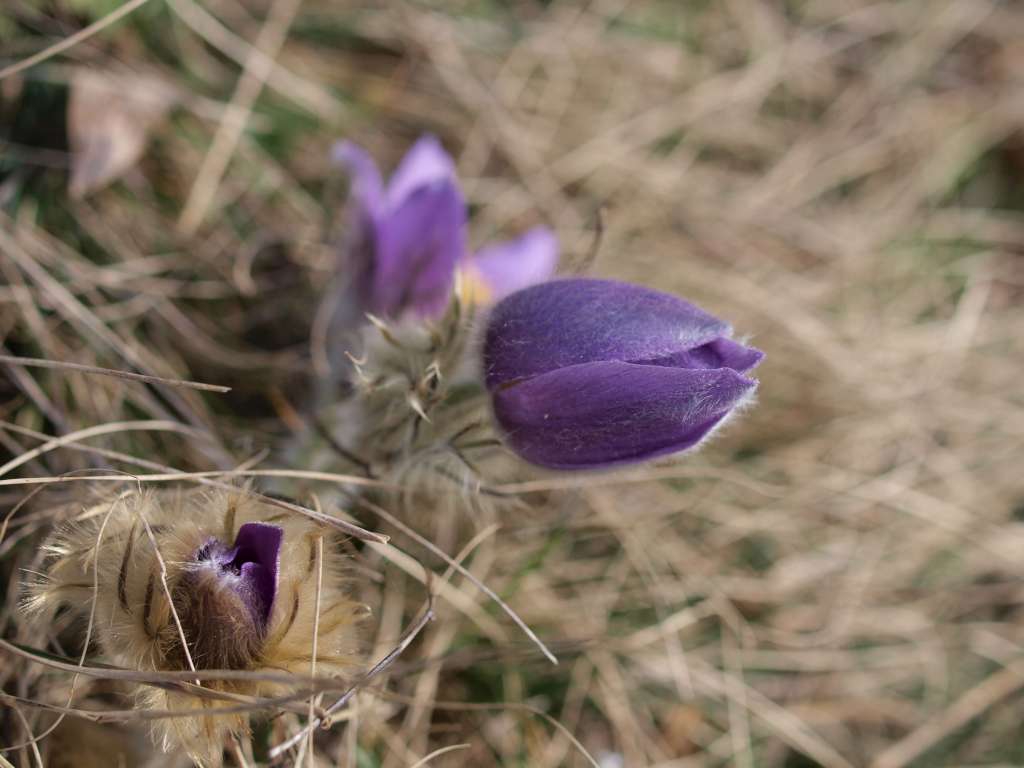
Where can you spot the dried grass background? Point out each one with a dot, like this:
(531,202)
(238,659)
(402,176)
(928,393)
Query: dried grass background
(835,581)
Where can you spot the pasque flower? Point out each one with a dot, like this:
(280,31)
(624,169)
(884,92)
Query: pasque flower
(591,373)
(408,238)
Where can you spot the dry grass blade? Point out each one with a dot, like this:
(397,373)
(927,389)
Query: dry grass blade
(105,671)
(972,704)
(307,745)
(456,706)
(305,92)
(257,70)
(32,738)
(410,634)
(72,40)
(168,473)
(248,704)
(102,429)
(431,547)
(65,300)
(60,365)
(177,476)
(438,753)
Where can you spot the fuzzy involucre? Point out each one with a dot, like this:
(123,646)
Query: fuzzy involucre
(414,405)
(134,625)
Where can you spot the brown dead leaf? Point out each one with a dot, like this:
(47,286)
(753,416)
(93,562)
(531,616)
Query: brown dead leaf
(110,117)
(681,728)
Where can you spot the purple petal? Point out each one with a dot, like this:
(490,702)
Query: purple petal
(255,557)
(425,164)
(364,212)
(600,414)
(569,322)
(720,353)
(419,245)
(512,265)
(367,187)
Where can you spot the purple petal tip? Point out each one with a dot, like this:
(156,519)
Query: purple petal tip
(426,163)
(582,320)
(256,556)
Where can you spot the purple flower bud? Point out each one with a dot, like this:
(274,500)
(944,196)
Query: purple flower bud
(591,373)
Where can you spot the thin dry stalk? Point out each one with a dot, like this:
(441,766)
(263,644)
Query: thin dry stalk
(59,365)
(258,68)
(72,40)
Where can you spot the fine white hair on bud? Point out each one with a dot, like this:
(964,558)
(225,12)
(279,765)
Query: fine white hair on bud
(190,579)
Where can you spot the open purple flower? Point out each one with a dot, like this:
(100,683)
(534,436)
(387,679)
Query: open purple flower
(592,373)
(408,239)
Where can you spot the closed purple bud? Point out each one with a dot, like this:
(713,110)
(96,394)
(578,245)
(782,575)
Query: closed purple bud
(592,373)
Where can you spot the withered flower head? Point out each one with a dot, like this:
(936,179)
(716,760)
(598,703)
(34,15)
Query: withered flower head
(241,589)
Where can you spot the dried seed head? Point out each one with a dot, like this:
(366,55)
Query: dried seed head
(240,588)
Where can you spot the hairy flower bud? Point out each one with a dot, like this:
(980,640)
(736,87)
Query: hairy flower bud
(591,373)
(232,576)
